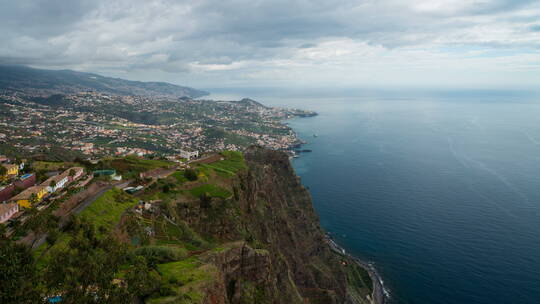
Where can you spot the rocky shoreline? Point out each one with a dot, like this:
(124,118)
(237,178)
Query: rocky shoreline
(380,295)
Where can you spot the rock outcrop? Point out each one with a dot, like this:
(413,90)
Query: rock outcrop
(274,250)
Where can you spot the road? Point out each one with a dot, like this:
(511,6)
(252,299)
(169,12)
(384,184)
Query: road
(80,207)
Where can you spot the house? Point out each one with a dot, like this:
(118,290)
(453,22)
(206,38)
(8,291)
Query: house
(11,169)
(7,211)
(74,173)
(3,159)
(189,154)
(56,182)
(25,181)
(6,192)
(24,199)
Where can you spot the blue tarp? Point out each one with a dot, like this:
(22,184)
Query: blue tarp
(56,299)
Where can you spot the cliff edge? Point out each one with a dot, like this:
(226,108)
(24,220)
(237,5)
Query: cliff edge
(272,247)
(235,228)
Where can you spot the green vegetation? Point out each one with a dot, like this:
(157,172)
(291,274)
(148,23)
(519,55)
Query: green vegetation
(185,281)
(131,166)
(180,177)
(358,276)
(107,210)
(232,164)
(161,254)
(211,190)
(148,164)
(18,274)
(100,258)
(190,174)
(181,269)
(50,166)
(181,234)
(169,253)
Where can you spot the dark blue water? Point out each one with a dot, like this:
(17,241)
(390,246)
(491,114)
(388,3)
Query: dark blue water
(441,192)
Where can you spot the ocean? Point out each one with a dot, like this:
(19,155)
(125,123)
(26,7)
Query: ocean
(440,190)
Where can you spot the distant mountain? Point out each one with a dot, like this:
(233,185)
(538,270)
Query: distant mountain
(251,102)
(49,82)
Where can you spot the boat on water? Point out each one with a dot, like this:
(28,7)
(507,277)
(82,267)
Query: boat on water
(315,135)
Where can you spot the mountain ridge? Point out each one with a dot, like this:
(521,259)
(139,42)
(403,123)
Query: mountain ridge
(49,82)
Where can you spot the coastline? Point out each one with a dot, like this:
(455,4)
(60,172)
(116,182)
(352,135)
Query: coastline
(379,295)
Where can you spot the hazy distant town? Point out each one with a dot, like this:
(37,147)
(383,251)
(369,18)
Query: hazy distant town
(93,124)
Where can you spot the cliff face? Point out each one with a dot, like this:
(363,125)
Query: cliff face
(273,249)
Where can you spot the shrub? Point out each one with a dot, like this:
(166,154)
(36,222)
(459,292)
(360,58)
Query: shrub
(206,200)
(166,290)
(166,189)
(52,237)
(160,254)
(190,174)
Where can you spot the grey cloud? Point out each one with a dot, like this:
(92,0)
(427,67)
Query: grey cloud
(535,28)
(307,46)
(172,35)
(42,17)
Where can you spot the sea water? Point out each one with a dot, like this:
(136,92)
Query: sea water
(441,191)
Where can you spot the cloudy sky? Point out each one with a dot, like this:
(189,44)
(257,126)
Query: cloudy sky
(253,43)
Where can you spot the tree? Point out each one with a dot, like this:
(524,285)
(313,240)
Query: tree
(71,173)
(139,278)
(33,199)
(40,223)
(52,184)
(86,270)
(206,200)
(190,174)
(18,275)
(52,237)
(166,188)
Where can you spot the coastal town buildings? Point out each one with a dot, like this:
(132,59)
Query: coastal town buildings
(11,169)
(30,196)
(189,154)
(6,191)
(56,182)
(92,124)
(7,211)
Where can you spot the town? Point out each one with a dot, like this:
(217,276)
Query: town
(62,188)
(92,125)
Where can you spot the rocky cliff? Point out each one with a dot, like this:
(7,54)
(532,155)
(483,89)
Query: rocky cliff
(271,247)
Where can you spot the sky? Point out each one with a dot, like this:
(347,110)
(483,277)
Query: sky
(282,43)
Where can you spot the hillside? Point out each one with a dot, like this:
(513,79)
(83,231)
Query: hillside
(242,230)
(49,82)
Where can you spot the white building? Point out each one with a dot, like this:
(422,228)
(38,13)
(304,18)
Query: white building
(59,182)
(189,154)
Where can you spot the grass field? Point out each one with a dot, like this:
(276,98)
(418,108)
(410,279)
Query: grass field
(232,164)
(189,279)
(212,190)
(107,209)
(147,163)
(180,177)
(131,166)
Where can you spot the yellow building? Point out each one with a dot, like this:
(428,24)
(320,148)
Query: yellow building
(11,169)
(24,199)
